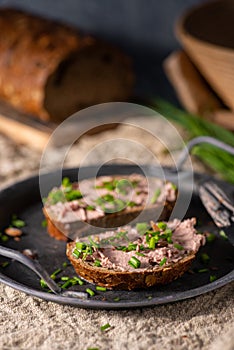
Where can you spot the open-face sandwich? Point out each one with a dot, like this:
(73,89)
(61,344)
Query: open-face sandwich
(106,202)
(137,257)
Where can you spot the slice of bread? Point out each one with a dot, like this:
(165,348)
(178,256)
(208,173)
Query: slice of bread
(157,265)
(68,218)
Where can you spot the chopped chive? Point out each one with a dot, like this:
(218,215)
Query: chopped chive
(43,284)
(4,264)
(81,246)
(139,254)
(101,289)
(55,273)
(76,253)
(223,234)
(90,207)
(155,196)
(178,246)
(174,186)
(94,244)
(97,263)
(90,292)
(18,223)
(105,327)
(134,262)
(79,280)
(152,243)
(162,225)
(131,204)
(72,195)
(92,348)
(4,238)
(163,261)
(210,237)
(142,227)
(116,299)
(205,258)
(213,278)
(66,182)
(65,278)
(65,264)
(44,223)
(203,270)
(149,297)
(66,284)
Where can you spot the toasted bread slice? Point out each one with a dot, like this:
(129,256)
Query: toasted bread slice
(68,219)
(159,265)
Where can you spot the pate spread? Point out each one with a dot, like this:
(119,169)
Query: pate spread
(92,199)
(129,248)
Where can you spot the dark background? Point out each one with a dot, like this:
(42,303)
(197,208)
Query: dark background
(143,28)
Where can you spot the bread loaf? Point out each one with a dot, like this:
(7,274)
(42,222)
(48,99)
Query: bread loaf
(51,71)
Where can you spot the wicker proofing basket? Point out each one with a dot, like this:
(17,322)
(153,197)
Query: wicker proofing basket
(207,34)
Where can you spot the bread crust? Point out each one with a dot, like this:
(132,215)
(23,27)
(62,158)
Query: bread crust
(129,280)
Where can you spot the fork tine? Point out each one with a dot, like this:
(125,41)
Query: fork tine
(215,207)
(219,194)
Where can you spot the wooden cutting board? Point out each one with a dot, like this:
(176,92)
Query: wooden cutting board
(28,130)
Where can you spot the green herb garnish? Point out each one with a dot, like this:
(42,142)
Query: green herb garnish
(205,258)
(18,223)
(223,234)
(202,270)
(101,289)
(90,207)
(213,278)
(97,263)
(163,261)
(155,196)
(93,243)
(76,253)
(178,246)
(65,278)
(66,182)
(134,262)
(4,238)
(81,246)
(43,284)
(44,223)
(218,160)
(66,284)
(142,227)
(79,280)
(116,299)
(162,225)
(139,254)
(4,264)
(55,273)
(90,292)
(105,327)
(152,243)
(210,237)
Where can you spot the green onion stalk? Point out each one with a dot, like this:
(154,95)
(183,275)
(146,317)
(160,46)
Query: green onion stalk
(218,160)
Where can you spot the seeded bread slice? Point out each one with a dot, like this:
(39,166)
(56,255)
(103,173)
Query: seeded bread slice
(128,280)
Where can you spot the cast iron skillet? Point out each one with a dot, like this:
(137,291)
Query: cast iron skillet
(24,199)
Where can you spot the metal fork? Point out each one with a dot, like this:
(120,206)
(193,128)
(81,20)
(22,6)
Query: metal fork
(219,206)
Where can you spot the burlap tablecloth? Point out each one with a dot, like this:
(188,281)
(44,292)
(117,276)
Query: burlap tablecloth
(204,322)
